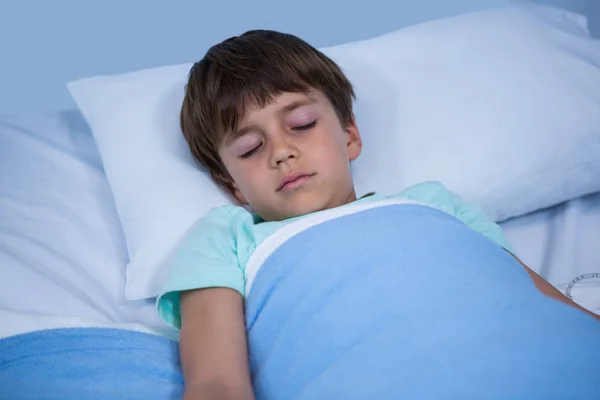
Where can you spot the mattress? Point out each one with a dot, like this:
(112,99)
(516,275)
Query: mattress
(63,255)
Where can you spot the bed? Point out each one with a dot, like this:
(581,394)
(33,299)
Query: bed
(62,256)
(61,238)
(63,261)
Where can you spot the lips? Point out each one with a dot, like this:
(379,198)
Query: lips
(293,180)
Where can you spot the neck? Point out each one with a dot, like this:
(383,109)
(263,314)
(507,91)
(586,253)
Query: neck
(351,197)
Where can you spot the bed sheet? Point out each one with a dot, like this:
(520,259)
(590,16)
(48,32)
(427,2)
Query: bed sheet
(62,252)
(63,256)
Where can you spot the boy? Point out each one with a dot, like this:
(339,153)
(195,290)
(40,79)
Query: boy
(270,118)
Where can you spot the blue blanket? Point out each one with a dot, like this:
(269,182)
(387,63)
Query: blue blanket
(406,302)
(395,302)
(88,364)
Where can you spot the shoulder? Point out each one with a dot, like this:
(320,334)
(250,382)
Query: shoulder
(220,218)
(433,193)
(215,231)
(205,257)
(209,247)
(436,195)
(427,187)
(224,214)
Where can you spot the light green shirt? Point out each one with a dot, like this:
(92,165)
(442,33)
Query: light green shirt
(216,249)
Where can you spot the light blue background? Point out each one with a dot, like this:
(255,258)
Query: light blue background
(45,43)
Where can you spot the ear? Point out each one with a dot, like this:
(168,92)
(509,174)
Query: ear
(353,140)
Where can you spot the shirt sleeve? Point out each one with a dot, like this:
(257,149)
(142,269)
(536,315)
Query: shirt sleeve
(205,258)
(438,196)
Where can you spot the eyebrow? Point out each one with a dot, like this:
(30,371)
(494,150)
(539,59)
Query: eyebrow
(297,104)
(231,137)
(283,110)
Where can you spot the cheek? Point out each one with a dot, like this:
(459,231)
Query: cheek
(246,176)
(331,152)
(331,144)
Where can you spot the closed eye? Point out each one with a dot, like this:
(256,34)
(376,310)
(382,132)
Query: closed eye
(250,153)
(305,127)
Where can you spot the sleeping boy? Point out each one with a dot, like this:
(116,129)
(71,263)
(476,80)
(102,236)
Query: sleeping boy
(271,118)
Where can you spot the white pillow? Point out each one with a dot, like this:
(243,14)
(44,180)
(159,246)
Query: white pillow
(503,106)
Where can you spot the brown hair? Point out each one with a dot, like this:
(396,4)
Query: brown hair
(250,70)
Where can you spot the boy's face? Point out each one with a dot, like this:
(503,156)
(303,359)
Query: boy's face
(292,157)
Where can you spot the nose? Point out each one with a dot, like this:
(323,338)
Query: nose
(282,151)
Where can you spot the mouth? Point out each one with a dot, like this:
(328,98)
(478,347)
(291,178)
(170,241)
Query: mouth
(293,181)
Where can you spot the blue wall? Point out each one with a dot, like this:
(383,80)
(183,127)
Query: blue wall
(45,43)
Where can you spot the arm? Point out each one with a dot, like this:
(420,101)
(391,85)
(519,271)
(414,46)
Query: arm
(213,348)
(547,289)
